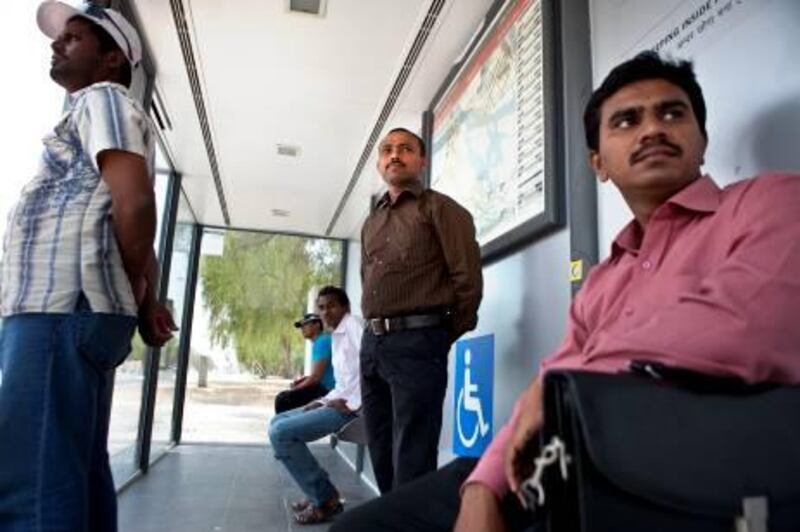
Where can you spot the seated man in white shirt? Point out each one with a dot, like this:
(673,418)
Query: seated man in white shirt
(289,431)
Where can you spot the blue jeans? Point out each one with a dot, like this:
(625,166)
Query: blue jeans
(55,402)
(289,431)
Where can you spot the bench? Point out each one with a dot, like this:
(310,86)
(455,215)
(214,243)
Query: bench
(354,432)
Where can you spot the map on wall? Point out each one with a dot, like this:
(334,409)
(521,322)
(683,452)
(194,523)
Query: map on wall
(488,142)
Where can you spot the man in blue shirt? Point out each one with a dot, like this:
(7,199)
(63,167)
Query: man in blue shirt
(309,387)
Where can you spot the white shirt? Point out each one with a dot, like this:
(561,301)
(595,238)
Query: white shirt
(346,348)
(60,238)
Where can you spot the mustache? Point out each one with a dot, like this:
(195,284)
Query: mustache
(398,163)
(639,154)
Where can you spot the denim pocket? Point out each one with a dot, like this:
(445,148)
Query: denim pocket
(104,340)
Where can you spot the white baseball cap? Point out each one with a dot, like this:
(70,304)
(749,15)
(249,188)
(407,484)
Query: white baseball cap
(52,18)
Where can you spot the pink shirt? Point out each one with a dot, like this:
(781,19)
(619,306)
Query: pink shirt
(713,285)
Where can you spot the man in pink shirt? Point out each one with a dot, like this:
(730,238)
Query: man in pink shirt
(703,278)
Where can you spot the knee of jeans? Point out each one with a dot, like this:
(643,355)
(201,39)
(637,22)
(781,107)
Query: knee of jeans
(277,433)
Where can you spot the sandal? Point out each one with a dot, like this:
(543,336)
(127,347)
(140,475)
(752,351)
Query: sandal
(299,506)
(313,515)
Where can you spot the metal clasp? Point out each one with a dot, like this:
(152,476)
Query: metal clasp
(379,326)
(532,489)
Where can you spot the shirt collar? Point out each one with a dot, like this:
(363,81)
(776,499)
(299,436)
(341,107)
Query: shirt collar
(700,196)
(415,190)
(73,96)
(342,327)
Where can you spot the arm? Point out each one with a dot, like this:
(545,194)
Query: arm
(456,232)
(113,131)
(740,319)
(156,324)
(347,392)
(133,210)
(317,371)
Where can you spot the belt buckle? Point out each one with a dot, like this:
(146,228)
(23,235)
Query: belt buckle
(379,326)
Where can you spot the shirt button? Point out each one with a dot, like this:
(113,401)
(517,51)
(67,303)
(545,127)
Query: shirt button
(629,312)
(647,265)
(388,239)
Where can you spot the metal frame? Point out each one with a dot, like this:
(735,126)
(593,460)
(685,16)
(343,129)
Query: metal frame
(184,347)
(553,216)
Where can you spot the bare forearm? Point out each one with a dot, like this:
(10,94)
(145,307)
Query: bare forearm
(135,228)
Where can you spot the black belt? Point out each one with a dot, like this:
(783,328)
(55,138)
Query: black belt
(381,326)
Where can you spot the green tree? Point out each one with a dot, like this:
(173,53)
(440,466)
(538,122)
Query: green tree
(257,288)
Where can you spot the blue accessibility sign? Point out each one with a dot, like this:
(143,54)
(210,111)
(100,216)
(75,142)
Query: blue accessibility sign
(474,391)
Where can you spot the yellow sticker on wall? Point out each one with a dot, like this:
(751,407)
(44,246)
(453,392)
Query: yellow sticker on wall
(576,271)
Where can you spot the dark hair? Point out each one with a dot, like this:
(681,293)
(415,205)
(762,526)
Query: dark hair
(107,44)
(646,65)
(338,293)
(421,142)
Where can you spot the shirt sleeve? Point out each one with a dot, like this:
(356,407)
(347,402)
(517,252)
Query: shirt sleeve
(322,348)
(741,318)
(456,231)
(108,120)
(490,470)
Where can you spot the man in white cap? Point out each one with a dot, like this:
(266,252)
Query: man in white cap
(78,271)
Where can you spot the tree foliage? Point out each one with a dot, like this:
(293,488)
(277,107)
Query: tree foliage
(257,288)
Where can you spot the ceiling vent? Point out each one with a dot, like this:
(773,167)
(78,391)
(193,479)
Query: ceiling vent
(308,7)
(288,150)
(280,213)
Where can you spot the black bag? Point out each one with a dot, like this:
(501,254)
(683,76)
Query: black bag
(645,455)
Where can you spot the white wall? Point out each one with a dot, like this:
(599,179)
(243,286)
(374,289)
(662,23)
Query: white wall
(747,62)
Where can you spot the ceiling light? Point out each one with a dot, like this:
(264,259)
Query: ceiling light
(288,150)
(308,7)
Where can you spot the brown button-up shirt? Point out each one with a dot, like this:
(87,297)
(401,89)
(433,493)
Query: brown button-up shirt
(419,255)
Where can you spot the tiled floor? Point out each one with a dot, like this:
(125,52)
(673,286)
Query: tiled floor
(228,488)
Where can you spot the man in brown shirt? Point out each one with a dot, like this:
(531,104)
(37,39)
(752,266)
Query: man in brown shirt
(422,285)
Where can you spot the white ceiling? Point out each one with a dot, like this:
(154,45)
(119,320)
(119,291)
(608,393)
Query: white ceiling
(269,76)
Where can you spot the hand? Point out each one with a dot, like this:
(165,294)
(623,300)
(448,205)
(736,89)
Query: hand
(480,511)
(519,454)
(155,324)
(312,406)
(340,405)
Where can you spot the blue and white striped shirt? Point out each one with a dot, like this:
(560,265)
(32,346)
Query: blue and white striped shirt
(60,238)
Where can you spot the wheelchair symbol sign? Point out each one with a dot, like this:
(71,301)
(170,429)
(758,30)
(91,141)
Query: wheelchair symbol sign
(474,383)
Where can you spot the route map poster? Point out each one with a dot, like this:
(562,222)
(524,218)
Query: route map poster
(489,143)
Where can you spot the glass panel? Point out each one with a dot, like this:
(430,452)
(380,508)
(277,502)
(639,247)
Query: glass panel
(245,349)
(168,363)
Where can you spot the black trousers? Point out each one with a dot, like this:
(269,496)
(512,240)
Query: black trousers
(427,504)
(297,397)
(403,384)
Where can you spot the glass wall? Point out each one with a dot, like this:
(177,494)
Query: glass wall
(251,288)
(168,361)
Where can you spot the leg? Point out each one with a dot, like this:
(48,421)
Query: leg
(102,495)
(376,404)
(49,418)
(290,399)
(289,433)
(416,369)
(429,503)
